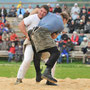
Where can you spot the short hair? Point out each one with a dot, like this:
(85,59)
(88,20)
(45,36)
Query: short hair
(45,7)
(65,15)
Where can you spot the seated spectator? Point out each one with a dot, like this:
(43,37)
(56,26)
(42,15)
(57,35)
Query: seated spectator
(64,36)
(26,14)
(5,35)
(3,19)
(75,38)
(4,29)
(57,9)
(64,52)
(83,8)
(77,22)
(12,11)
(71,26)
(69,44)
(13,36)
(81,26)
(19,52)
(8,43)
(29,9)
(11,52)
(1,23)
(50,8)
(20,12)
(3,11)
(65,9)
(84,45)
(87,27)
(81,37)
(75,11)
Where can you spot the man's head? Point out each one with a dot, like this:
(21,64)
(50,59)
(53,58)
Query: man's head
(43,11)
(65,17)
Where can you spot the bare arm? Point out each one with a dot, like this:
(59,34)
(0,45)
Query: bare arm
(23,28)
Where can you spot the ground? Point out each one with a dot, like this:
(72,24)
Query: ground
(30,84)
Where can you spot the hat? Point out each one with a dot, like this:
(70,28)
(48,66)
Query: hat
(74,32)
(75,4)
(85,38)
(57,4)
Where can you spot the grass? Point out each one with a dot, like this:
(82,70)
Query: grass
(72,70)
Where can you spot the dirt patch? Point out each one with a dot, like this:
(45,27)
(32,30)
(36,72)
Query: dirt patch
(30,84)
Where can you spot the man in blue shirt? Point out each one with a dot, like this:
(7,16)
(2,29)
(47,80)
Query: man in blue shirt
(48,27)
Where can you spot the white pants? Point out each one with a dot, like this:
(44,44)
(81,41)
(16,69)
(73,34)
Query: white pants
(28,57)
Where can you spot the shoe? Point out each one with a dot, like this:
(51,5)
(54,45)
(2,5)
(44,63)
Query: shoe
(18,81)
(38,77)
(50,83)
(47,75)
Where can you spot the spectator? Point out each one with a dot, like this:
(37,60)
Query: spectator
(65,9)
(69,44)
(11,52)
(19,52)
(26,14)
(81,27)
(83,8)
(75,11)
(81,37)
(3,28)
(29,9)
(64,52)
(13,36)
(57,9)
(71,26)
(12,11)
(75,38)
(20,12)
(1,23)
(3,12)
(3,19)
(84,45)
(50,8)
(64,36)
(87,27)
(77,22)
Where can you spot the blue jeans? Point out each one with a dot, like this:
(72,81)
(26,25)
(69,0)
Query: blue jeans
(61,55)
(11,55)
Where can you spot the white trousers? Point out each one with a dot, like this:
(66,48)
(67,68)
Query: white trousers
(28,57)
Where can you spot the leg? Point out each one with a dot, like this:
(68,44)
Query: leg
(60,58)
(28,57)
(54,54)
(67,56)
(37,57)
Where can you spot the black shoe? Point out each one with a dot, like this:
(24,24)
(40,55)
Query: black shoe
(38,77)
(47,75)
(50,83)
(18,81)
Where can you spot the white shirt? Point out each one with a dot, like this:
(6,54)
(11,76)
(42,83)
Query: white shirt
(31,21)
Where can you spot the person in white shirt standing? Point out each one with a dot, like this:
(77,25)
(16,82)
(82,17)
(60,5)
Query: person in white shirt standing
(30,22)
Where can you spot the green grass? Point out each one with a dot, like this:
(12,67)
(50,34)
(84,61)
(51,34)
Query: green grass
(72,70)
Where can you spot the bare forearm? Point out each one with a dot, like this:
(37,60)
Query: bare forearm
(22,28)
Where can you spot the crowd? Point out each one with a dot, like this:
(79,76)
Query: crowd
(78,24)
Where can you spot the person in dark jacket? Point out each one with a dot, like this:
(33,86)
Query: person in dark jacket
(3,11)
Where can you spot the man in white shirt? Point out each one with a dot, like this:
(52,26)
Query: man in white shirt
(75,11)
(30,22)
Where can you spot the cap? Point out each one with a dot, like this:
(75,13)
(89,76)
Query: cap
(85,38)
(57,4)
(75,4)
